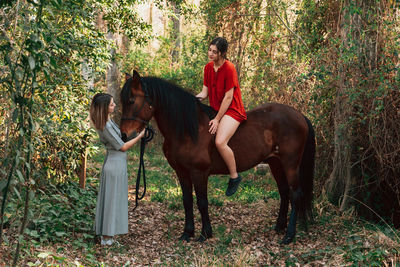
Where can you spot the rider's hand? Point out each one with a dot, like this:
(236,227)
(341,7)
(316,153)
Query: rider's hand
(213,126)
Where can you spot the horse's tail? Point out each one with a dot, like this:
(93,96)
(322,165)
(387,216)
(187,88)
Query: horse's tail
(307,170)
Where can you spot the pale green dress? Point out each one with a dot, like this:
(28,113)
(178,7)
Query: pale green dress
(112,200)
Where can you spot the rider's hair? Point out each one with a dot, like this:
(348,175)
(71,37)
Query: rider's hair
(222,45)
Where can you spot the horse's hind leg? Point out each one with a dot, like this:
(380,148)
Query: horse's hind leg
(283,187)
(200,181)
(295,200)
(187,197)
(296,196)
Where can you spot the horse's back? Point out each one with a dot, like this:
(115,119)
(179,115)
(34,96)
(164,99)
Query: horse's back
(277,113)
(268,127)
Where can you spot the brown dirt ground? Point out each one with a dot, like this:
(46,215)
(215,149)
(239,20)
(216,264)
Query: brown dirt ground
(154,229)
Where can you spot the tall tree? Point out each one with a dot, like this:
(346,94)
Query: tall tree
(122,24)
(356,61)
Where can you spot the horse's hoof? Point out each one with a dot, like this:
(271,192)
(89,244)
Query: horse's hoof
(201,239)
(185,237)
(287,240)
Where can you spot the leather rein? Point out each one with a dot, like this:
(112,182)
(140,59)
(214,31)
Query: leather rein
(148,136)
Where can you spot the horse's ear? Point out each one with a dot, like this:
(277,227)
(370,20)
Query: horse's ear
(127,76)
(136,75)
(136,79)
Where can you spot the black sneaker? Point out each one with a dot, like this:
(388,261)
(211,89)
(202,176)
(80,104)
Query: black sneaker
(233,185)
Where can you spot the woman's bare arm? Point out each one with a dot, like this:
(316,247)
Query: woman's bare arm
(131,142)
(203,94)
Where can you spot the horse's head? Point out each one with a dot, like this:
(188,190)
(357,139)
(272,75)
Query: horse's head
(136,106)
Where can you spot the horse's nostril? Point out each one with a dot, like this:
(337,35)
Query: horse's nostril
(124,137)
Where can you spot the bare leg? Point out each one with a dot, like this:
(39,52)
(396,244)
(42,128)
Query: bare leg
(226,128)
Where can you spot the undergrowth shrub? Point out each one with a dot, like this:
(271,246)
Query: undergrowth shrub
(58,213)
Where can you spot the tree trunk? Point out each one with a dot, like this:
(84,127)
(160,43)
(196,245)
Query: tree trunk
(149,46)
(82,169)
(87,75)
(22,228)
(340,181)
(113,74)
(354,65)
(175,38)
(113,82)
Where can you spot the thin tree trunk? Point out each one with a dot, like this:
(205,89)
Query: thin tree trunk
(9,177)
(8,128)
(27,168)
(112,77)
(23,226)
(87,74)
(5,193)
(175,33)
(339,182)
(165,20)
(149,46)
(82,169)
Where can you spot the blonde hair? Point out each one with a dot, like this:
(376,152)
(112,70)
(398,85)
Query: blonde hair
(99,110)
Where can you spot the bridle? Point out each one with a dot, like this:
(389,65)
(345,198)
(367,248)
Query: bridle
(148,136)
(135,114)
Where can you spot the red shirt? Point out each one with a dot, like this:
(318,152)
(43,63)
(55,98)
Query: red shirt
(218,83)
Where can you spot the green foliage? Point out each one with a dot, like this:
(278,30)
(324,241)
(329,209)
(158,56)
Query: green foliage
(58,212)
(62,211)
(358,254)
(187,73)
(355,81)
(123,18)
(312,23)
(48,74)
(212,11)
(50,53)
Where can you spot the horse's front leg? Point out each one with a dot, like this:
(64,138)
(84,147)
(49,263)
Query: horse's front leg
(187,197)
(200,181)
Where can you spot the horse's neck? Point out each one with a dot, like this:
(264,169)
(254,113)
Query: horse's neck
(165,126)
(162,124)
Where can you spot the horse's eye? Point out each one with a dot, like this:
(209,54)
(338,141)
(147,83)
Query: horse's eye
(132,100)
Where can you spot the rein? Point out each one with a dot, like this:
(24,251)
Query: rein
(148,136)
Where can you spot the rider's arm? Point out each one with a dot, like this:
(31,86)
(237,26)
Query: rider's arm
(226,102)
(203,94)
(131,142)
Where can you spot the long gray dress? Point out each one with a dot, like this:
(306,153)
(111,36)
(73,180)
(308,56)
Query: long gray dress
(112,200)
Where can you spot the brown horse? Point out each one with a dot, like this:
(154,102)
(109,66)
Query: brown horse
(273,133)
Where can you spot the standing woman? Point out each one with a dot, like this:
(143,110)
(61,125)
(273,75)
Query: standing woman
(221,85)
(112,199)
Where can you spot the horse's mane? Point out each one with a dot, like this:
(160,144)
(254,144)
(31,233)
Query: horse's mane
(178,106)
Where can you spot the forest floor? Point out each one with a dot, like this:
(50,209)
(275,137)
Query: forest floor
(243,236)
(243,231)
